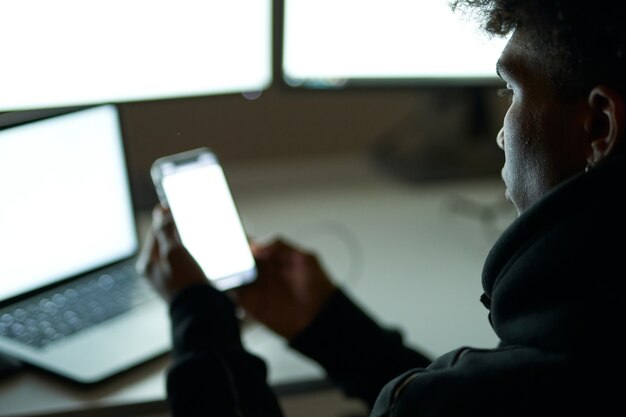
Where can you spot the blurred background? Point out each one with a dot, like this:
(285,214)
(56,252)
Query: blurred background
(408,84)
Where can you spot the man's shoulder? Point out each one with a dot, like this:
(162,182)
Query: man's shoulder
(508,380)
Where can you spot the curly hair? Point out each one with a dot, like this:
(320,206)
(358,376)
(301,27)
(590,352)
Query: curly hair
(584,43)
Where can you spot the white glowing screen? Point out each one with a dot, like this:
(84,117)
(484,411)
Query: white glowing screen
(336,40)
(208,222)
(66,205)
(74,52)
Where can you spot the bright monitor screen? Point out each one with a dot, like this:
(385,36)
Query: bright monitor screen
(334,43)
(66,202)
(73,52)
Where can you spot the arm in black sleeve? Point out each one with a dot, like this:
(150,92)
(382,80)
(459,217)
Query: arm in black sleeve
(211,372)
(356,352)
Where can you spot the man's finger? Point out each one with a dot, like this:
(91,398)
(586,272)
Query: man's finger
(147,254)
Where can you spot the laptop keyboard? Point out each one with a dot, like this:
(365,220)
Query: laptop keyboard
(66,310)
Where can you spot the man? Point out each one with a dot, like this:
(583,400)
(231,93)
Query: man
(553,283)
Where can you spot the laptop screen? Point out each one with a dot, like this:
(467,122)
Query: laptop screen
(65,199)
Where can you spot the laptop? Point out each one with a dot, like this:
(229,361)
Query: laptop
(71,302)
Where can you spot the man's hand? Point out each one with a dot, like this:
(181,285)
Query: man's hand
(290,289)
(164,260)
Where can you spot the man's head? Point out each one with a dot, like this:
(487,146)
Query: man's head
(565,69)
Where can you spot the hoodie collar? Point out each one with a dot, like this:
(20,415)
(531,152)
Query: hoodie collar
(599,186)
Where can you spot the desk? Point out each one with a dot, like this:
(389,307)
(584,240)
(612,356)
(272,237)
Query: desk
(411,254)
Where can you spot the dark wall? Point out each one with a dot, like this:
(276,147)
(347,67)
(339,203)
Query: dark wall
(281,123)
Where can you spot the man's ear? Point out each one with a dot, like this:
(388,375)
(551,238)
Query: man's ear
(606,125)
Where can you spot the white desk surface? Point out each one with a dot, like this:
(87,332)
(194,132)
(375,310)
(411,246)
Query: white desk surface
(412,254)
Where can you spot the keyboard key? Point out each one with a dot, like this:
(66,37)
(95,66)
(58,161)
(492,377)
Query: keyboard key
(65,311)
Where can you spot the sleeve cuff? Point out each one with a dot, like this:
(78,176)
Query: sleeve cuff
(203,317)
(339,323)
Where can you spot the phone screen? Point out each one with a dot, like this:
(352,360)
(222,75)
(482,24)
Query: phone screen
(207,220)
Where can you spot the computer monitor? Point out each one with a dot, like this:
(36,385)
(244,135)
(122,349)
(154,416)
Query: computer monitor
(419,44)
(67,53)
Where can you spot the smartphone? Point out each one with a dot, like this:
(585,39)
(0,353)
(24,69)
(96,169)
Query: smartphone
(193,186)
